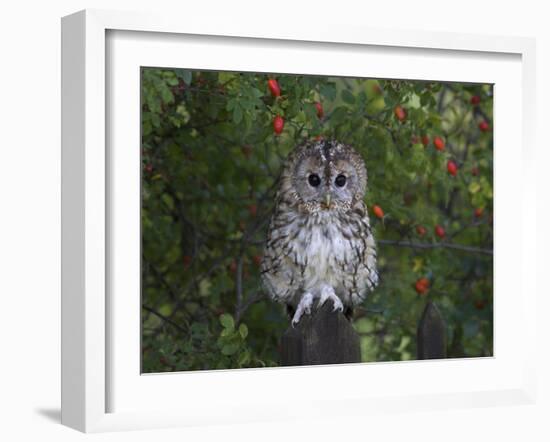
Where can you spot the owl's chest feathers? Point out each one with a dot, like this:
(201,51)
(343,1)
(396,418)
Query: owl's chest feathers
(321,248)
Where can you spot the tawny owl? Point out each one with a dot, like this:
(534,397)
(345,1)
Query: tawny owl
(320,245)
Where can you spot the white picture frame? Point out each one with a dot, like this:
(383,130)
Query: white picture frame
(87,356)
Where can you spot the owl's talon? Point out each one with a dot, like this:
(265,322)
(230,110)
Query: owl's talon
(327,293)
(304,306)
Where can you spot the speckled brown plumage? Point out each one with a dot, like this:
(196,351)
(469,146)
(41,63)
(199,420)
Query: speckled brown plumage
(320,245)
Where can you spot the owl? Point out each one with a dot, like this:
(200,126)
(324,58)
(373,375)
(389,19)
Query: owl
(320,245)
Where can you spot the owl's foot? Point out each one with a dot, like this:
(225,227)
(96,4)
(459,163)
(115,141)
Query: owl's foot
(327,293)
(304,306)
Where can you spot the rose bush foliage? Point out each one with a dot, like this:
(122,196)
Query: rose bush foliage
(212,147)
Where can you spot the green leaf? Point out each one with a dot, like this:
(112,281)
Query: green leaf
(155,119)
(244,358)
(243,330)
(230,349)
(474,187)
(348,97)
(237,114)
(172,81)
(328,91)
(167,95)
(227,321)
(339,115)
(256,92)
(311,113)
(204,287)
(225,333)
(168,200)
(185,75)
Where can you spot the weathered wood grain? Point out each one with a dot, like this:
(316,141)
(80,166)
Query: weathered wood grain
(431,334)
(324,337)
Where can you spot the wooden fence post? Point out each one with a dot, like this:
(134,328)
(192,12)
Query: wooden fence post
(431,334)
(324,337)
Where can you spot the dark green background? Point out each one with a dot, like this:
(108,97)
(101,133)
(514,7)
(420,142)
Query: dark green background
(210,163)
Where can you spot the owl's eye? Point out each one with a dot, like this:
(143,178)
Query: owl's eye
(340,181)
(314,180)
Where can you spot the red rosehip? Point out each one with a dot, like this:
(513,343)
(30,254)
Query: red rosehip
(278,124)
(475,171)
(246,150)
(422,285)
(479,304)
(439,231)
(400,113)
(478,212)
(475,100)
(425,140)
(257,260)
(274,88)
(186,261)
(320,110)
(439,144)
(484,126)
(253,209)
(233,266)
(378,212)
(452,168)
(421,230)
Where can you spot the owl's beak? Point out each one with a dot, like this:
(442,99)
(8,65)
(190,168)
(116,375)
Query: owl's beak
(327,200)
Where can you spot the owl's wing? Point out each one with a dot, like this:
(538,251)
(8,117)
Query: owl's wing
(363,272)
(280,265)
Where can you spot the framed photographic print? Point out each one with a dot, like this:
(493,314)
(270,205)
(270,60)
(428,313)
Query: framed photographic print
(225,233)
(251,213)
